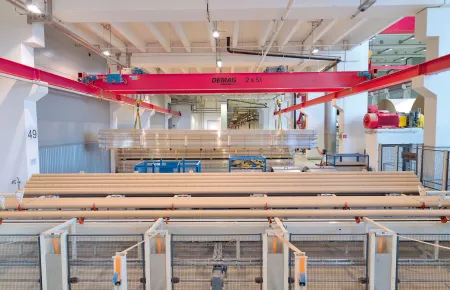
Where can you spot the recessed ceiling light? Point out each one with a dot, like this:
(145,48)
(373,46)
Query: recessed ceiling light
(107,52)
(34,9)
(215,33)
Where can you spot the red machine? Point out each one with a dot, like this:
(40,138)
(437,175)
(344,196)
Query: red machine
(381,119)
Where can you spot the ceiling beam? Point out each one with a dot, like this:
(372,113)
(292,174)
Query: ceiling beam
(318,33)
(165,70)
(212,40)
(131,36)
(184,70)
(266,28)
(151,70)
(199,69)
(235,37)
(88,11)
(107,36)
(370,28)
(81,33)
(165,43)
(177,28)
(343,29)
(284,39)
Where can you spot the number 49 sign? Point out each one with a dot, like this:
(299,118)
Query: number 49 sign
(32,134)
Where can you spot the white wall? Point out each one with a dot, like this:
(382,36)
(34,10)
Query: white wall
(68,122)
(199,121)
(183,122)
(64,57)
(64,118)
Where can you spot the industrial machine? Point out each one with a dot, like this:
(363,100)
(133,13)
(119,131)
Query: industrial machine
(381,119)
(376,118)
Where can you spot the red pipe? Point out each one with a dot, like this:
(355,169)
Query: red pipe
(33,74)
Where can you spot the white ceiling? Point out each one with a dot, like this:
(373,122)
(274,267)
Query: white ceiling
(175,35)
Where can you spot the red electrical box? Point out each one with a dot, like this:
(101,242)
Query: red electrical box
(381,119)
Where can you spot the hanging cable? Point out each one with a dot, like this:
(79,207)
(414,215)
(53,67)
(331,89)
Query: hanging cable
(138,116)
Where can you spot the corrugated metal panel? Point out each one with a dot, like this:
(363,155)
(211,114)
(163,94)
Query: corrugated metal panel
(73,158)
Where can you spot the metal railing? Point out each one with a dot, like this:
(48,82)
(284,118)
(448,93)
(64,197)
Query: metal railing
(431,164)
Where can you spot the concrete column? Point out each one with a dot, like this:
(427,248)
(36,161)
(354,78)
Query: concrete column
(352,109)
(432,27)
(330,127)
(315,121)
(19,147)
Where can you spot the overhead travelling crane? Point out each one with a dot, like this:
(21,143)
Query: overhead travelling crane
(227,83)
(339,84)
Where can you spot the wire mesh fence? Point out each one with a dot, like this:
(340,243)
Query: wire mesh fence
(401,157)
(20,266)
(233,262)
(433,168)
(423,266)
(431,164)
(91,264)
(334,261)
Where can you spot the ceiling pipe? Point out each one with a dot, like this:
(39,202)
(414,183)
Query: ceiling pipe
(151,214)
(228,202)
(279,54)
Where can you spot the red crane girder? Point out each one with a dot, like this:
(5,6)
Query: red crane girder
(30,73)
(430,67)
(226,83)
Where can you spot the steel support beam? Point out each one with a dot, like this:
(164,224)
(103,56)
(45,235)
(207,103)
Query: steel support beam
(427,68)
(233,83)
(26,73)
